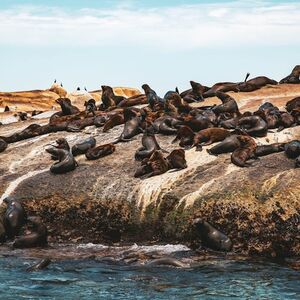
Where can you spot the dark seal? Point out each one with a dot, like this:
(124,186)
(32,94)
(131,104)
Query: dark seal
(66,161)
(84,146)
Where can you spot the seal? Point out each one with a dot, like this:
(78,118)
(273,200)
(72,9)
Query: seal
(84,146)
(3,145)
(175,99)
(228,145)
(297,162)
(293,77)
(14,218)
(292,149)
(228,105)
(166,125)
(195,94)
(153,100)
(255,83)
(176,159)
(186,136)
(270,116)
(269,149)
(293,104)
(41,265)
(114,120)
(240,156)
(37,238)
(153,166)
(286,120)
(254,126)
(221,87)
(109,99)
(66,107)
(149,144)
(209,136)
(196,121)
(166,261)
(66,161)
(212,237)
(131,128)
(90,107)
(100,151)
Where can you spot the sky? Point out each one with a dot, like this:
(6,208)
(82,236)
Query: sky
(163,43)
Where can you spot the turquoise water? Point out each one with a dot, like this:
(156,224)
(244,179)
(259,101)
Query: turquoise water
(92,279)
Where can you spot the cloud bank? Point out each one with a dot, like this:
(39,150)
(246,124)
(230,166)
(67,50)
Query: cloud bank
(180,27)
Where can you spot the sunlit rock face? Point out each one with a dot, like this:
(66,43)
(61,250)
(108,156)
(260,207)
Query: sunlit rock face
(257,207)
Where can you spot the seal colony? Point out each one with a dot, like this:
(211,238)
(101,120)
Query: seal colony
(223,125)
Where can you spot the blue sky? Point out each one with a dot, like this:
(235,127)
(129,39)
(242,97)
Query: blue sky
(128,43)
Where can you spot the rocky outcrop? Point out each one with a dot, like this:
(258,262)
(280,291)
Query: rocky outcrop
(257,207)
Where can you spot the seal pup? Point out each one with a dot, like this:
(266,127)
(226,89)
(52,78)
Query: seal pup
(245,152)
(211,237)
(149,144)
(84,146)
(14,218)
(37,237)
(66,161)
(90,107)
(100,151)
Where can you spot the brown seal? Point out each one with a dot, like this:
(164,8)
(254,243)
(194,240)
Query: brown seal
(228,105)
(100,151)
(155,165)
(293,77)
(149,144)
(176,159)
(186,136)
(154,101)
(90,107)
(37,237)
(255,83)
(209,136)
(3,145)
(84,146)
(166,125)
(228,145)
(269,149)
(254,126)
(245,152)
(114,120)
(109,99)
(195,94)
(221,87)
(14,218)
(66,107)
(286,120)
(293,104)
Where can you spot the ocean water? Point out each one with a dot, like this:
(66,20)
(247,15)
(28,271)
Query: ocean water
(217,277)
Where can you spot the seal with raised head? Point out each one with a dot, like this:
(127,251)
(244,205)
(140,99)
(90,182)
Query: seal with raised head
(293,77)
(37,237)
(100,151)
(228,105)
(149,144)
(90,106)
(84,146)
(15,217)
(152,98)
(66,161)
(245,152)
(212,237)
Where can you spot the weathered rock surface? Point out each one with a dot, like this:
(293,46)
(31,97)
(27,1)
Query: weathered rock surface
(257,207)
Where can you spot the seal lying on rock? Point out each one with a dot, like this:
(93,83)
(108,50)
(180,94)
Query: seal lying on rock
(245,152)
(84,146)
(211,237)
(37,238)
(176,159)
(292,149)
(15,217)
(3,145)
(228,105)
(186,136)
(209,136)
(254,126)
(228,145)
(293,77)
(100,151)
(269,149)
(66,161)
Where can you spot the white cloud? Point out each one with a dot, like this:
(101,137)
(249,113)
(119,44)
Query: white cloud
(179,27)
